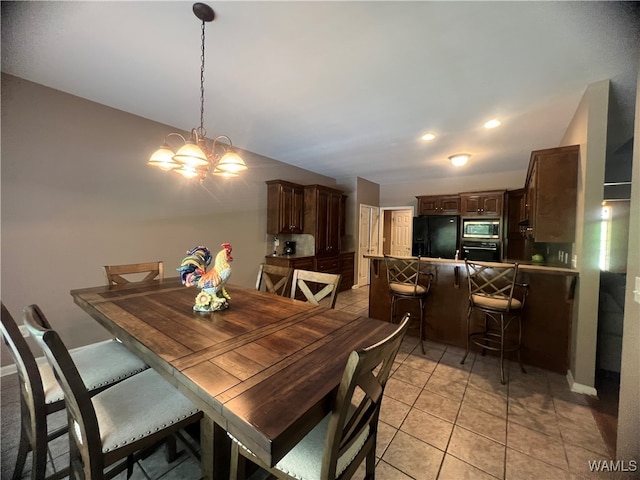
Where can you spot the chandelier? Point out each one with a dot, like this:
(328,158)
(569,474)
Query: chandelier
(197,157)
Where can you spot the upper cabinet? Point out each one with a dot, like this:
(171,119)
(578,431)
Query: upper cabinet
(514,242)
(477,204)
(285,207)
(438,205)
(551,193)
(322,217)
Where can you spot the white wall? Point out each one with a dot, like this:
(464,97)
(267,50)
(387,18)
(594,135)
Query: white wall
(588,129)
(77,194)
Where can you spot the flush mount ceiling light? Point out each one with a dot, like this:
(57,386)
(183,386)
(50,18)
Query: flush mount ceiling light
(492,123)
(196,157)
(427,137)
(459,159)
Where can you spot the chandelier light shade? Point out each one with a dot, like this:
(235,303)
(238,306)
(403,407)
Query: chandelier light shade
(459,159)
(198,157)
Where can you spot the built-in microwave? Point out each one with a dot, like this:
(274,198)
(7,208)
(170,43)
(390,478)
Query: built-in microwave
(481,228)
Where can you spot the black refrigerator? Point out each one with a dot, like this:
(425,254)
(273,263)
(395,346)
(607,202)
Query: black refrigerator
(436,236)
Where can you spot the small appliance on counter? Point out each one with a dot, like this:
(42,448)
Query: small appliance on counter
(289,248)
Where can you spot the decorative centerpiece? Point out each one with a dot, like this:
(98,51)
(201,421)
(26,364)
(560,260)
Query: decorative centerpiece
(195,272)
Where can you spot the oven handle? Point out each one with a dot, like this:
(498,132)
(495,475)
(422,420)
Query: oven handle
(491,249)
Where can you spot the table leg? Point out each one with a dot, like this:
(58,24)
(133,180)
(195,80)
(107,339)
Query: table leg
(216,450)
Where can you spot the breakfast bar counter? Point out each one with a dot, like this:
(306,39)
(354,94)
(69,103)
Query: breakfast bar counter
(546,319)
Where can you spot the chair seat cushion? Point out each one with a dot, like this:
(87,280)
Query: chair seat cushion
(404,289)
(99,364)
(495,303)
(137,407)
(304,461)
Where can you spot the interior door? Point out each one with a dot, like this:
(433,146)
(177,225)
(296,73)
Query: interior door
(401,223)
(368,240)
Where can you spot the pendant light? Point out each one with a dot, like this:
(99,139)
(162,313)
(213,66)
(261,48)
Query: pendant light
(196,157)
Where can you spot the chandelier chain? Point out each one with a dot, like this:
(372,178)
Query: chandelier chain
(201,131)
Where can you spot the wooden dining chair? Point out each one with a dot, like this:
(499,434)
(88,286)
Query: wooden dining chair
(315,286)
(114,273)
(116,426)
(274,278)
(101,365)
(336,447)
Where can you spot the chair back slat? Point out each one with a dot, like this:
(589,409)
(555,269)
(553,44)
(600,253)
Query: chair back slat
(274,278)
(84,432)
(362,386)
(114,273)
(31,389)
(315,286)
(405,271)
(492,280)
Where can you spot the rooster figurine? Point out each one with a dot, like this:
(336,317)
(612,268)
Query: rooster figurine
(194,272)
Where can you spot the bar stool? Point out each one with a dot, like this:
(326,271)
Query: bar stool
(491,292)
(403,278)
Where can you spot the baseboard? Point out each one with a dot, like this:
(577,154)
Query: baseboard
(11,369)
(579,388)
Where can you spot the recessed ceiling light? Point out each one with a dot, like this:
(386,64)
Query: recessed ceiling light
(492,123)
(427,137)
(459,159)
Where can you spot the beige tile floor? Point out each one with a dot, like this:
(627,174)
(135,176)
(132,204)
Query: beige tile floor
(446,421)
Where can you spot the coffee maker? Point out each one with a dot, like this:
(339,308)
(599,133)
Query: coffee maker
(289,248)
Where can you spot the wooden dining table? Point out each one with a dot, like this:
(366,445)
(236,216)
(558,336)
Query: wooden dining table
(264,370)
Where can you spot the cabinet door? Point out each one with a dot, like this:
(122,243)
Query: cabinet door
(428,205)
(530,199)
(333,240)
(322,225)
(491,205)
(555,201)
(470,205)
(450,205)
(284,207)
(514,236)
(296,213)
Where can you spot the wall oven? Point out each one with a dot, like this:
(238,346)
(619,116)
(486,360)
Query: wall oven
(487,229)
(481,251)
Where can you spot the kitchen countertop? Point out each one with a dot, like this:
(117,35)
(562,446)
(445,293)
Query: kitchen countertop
(291,257)
(525,266)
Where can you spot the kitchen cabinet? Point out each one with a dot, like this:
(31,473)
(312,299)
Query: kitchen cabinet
(514,230)
(342,264)
(551,195)
(438,205)
(285,207)
(322,207)
(299,263)
(347,269)
(482,204)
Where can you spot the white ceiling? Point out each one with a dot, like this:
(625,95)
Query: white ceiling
(342,88)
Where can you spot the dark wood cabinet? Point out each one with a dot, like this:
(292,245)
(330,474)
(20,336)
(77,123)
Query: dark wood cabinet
(347,269)
(482,204)
(514,237)
(322,219)
(285,207)
(438,205)
(342,264)
(551,195)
